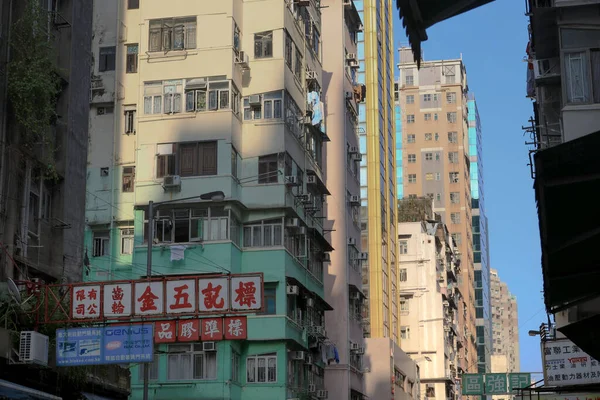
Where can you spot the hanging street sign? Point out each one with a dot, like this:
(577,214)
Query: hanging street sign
(494,383)
(565,364)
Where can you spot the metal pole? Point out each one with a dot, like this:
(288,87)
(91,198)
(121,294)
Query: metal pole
(149,274)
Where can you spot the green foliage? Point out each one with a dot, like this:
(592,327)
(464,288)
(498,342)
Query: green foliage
(34,82)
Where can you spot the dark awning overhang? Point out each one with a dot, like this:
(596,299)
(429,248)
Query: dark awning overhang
(567,182)
(584,333)
(15,391)
(418,15)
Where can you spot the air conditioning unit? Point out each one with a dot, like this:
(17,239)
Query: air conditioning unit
(351,241)
(292,223)
(209,346)
(311,179)
(326,257)
(322,394)
(363,256)
(310,302)
(33,348)
(354,296)
(312,388)
(354,346)
(355,200)
(302,3)
(360,351)
(351,56)
(172,182)
(293,290)
(254,100)
(308,360)
(353,150)
(242,59)
(305,198)
(356,157)
(311,75)
(291,180)
(353,64)
(297,355)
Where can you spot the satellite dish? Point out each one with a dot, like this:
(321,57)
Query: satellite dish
(14,290)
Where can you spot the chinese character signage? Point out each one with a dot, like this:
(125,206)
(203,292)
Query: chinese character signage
(566,364)
(472,384)
(189,295)
(205,329)
(104,345)
(493,384)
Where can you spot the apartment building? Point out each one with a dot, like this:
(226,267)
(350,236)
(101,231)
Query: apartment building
(429,297)
(215,111)
(505,327)
(564,86)
(341,25)
(481,257)
(436,164)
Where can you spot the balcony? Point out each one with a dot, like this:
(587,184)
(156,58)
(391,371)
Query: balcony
(275,327)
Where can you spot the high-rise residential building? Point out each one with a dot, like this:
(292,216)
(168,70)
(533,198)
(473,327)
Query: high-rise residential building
(341,24)
(378,183)
(481,257)
(428,270)
(217,108)
(505,327)
(435,162)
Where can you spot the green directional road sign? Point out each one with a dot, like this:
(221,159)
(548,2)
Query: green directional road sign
(518,381)
(495,384)
(472,384)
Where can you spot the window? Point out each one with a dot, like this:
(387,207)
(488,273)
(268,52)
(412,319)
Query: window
(162,97)
(412,158)
(186,159)
(270,301)
(453,157)
(101,240)
(153,369)
(455,218)
(410,119)
(289,50)
(267,233)
(410,138)
(130,122)
(172,34)
(428,137)
(131,64)
(451,97)
(128,179)
(127,241)
(201,95)
(403,246)
(410,99)
(189,362)
(268,169)
(234,162)
(403,274)
(46,204)
(235,366)
(438,176)
(454,197)
(427,116)
(298,64)
(436,136)
(412,178)
(263,44)
(453,137)
(428,156)
(453,177)
(581,55)
(106,61)
(404,332)
(438,197)
(426,98)
(404,304)
(409,80)
(429,176)
(133,4)
(261,368)
(269,106)
(451,117)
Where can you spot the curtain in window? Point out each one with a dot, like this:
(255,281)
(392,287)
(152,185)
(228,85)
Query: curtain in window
(595,55)
(577,72)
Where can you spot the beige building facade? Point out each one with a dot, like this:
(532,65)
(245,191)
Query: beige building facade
(428,269)
(505,327)
(435,164)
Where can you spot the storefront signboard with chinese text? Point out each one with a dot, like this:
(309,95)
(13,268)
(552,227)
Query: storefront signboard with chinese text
(205,329)
(167,297)
(104,345)
(565,364)
(494,383)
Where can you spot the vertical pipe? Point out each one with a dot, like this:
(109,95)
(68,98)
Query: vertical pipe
(149,274)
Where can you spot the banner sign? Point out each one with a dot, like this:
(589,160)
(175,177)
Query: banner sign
(104,345)
(166,297)
(493,384)
(565,364)
(206,329)
(570,396)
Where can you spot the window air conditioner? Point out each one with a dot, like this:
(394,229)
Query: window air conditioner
(351,56)
(33,348)
(254,100)
(356,157)
(352,241)
(297,355)
(354,199)
(291,180)
(293,290)
(242,59)
(292,223)
(322,394)
(363,256)
(353,150)
(172,182)
(209,346)
(354,346)
(311,75)
(312,388)
(311,179)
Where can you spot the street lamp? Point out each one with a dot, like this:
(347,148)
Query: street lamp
(534,333)
(212,196)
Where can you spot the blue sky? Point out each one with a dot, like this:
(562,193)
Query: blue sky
(492,40)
